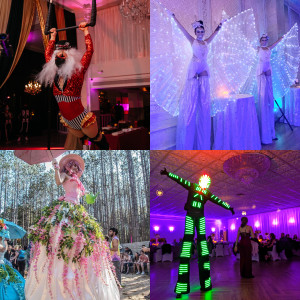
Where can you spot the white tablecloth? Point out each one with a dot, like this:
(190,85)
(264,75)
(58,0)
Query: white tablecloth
(292,106)
(236,127)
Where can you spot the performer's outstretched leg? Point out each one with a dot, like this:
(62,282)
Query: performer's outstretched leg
(203,255)
(183,283)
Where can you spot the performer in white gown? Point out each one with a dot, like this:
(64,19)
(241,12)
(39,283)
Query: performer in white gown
(69,258)
(265,107)
(194,122)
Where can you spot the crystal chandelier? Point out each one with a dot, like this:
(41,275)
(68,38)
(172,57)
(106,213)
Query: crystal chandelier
(135,10)
(247,167)
(33,88)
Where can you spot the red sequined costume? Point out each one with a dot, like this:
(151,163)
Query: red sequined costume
(69,98)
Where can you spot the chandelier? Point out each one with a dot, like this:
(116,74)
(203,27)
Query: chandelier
(135,10)
(247,167)
(33,88)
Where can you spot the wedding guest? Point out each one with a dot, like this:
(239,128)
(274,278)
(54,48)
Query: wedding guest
(245,248)
(268,247)
(142,262)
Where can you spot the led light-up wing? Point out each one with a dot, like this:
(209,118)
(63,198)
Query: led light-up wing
(231,57)
(285,62)
(170,56)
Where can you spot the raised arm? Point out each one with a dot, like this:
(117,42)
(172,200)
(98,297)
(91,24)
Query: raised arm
(59,177)
(218,201)
(185,183)
(87,57)
(213,35)
(275,44)
(183,30)
(50,47)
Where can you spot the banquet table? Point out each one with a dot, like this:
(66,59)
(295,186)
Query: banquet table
(292,106)
(235,126)
(136,139)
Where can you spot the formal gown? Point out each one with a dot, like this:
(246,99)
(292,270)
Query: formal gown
(265,111)
(11,282)
(194,121)
(69,258)
(245,255)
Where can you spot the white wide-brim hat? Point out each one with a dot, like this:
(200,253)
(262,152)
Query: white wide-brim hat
(69,157)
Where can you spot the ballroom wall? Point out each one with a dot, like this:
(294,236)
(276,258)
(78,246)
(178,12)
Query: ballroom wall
(121,53)
(164,222)
(286,221)
(274,17)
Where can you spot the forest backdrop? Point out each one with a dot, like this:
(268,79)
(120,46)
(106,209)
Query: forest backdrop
(120,177)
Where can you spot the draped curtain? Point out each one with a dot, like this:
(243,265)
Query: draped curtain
(119,38)
(286,221)
(4,14)
(24,23)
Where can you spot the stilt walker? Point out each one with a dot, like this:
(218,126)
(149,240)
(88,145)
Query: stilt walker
(197,197)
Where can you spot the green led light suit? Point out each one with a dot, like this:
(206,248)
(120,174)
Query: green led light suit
(197,197)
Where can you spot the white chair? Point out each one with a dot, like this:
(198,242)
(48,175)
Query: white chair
(255,255)
(226,249)
(167,257)
(157,256)
(282,255)
(213,253)
(219,250)
(296,252)
(274,253)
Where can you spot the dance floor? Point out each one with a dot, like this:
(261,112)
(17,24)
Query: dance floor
(273,280)
(37,142)
(287,139)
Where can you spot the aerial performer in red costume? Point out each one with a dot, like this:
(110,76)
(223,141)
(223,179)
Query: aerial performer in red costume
(64,70)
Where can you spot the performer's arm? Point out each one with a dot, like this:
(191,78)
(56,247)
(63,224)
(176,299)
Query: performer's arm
(218,201)
(50,47)
(59,177)
(183,30)
(185,183)
(251,232)
(237,239)
(87,57)
(275,44)
(208,40)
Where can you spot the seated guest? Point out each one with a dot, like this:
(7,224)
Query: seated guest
(128,251)
(255,239)
(295,238)
(127,262)
(135,260)
(268,247)
(175,242)
(289,246)
(261,238)
(210,244)
(142,262)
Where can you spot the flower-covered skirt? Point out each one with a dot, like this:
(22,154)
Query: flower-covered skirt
(11,283)
(69,258)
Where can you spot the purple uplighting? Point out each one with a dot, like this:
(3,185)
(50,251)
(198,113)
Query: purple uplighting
(156,228)
(171,228)
(213,229)
(232,226)
(292,220)
(257,224)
